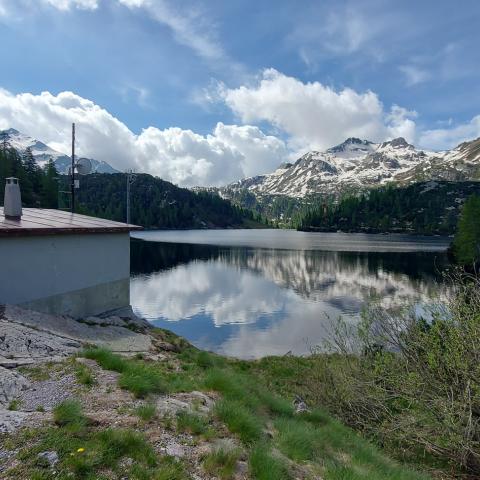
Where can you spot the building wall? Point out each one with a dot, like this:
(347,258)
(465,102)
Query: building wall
(78,275)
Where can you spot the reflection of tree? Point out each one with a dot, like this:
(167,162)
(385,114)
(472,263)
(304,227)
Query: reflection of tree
(338,277)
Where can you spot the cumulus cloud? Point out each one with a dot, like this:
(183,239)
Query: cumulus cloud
(445,138)
(316,116)
(181,156)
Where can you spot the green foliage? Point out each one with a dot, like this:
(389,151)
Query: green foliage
(84,375)
(466,245)
(156,203)
(239,420)
(146,412)
(136,376)
(191,422)
(264,466)
(425,208)
(141,380)
(14,405)
(39,186)
(69,414)
(222,462)
(106,359)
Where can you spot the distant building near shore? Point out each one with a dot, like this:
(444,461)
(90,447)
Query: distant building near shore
(62,263)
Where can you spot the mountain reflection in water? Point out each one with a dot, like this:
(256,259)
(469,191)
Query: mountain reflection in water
(253,302)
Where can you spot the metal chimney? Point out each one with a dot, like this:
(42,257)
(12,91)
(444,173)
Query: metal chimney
(12,204)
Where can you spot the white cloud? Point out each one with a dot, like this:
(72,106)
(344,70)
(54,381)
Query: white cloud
(190,27)
(446,138)
(414,74)
(68,4)
(181,156)
(316,116)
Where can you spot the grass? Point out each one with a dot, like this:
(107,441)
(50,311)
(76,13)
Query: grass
(135,375)
(264,466)
(84,375)
(222,462)
(69,414)
(147,412)
(255,397)
(14,405)
(192,422)
(239,420)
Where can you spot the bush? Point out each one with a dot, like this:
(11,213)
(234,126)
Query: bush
(415,386)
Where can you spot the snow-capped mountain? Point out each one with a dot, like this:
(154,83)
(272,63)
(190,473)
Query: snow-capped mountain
(360,164)
(43,153)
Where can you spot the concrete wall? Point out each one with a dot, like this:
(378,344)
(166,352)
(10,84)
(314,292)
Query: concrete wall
(78,275)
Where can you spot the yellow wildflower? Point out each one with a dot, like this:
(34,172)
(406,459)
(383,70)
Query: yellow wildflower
(80,450)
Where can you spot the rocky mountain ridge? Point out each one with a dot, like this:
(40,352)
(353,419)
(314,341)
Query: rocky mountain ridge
(359,164)
(43,153)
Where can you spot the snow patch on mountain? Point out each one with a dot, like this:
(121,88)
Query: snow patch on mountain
(43,153)
(358,164)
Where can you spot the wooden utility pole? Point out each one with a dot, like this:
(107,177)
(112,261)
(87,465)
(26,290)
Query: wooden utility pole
(72,185)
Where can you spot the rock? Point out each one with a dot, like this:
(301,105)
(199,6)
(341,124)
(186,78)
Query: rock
(11,385)
(49,459)
(175,450)
(32,334)
(300,405)
(10,421)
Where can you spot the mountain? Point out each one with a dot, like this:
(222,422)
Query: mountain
(359,164)
(156,203)
(43,153)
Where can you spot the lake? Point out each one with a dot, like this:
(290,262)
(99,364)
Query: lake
(253,293)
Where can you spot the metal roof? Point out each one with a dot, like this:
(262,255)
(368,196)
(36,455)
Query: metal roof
(37,221)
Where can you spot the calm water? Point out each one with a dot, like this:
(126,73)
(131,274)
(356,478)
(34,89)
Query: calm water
(252,293)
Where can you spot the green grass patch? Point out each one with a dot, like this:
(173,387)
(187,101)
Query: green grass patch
(69,414)
(106,359)
(84,375)
(147,412)
(191,422)
(264,466)
(222,462)
(239,420)
(141,380)
(14,405)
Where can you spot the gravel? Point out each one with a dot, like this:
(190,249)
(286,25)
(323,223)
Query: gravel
(47,393)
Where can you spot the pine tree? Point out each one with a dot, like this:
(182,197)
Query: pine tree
(466,245)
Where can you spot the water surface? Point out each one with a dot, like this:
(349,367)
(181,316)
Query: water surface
(252,293)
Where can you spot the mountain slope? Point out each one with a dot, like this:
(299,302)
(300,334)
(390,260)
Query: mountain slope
(156,203)
(43,153)
(359,165)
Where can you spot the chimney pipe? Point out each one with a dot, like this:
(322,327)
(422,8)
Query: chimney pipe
(12,204)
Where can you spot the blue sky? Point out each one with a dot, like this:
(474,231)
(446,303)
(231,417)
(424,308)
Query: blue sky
(207,92)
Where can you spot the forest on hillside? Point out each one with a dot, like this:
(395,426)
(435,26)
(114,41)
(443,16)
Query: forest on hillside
(423,208)
(39,185)
(155,203)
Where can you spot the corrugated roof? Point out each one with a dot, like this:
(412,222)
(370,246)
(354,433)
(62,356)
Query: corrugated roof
(37,221)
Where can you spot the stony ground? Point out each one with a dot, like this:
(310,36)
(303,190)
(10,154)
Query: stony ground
(151,406)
